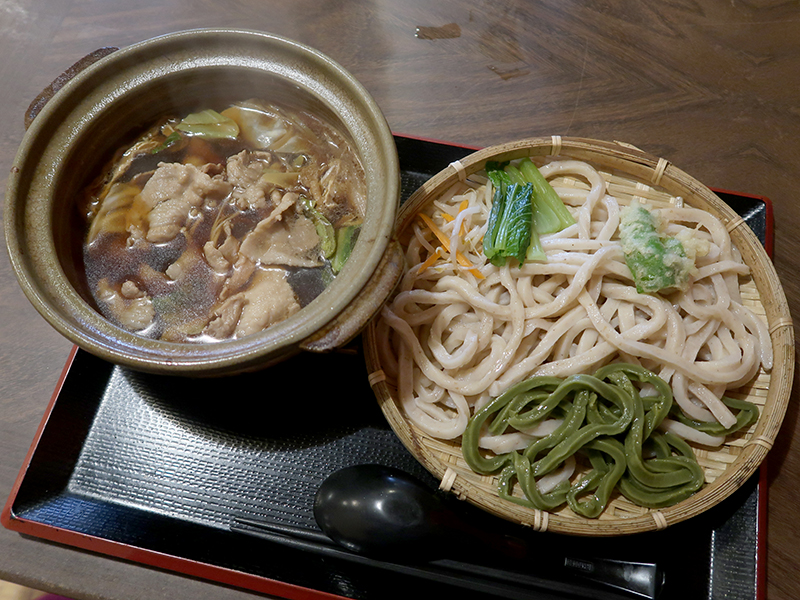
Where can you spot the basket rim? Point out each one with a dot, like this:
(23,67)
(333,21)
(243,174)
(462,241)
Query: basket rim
(660,173)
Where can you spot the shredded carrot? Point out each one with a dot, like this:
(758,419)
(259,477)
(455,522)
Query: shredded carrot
(462,260)
(437,254)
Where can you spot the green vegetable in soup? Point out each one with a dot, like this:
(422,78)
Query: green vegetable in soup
(172,139)
(345,241)
(209,123)
(325,231)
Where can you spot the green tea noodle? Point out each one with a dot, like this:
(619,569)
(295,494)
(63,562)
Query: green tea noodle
(461,331)
(605,418)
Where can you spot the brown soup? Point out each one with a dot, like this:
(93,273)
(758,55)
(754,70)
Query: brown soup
(219,224)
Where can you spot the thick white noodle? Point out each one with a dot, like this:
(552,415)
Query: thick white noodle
(451,340)
(690,434)
(548,482)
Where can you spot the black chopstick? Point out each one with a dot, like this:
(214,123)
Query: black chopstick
(300,533)
(498,582)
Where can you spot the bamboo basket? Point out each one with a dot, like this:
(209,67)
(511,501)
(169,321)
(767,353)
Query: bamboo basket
(629,172)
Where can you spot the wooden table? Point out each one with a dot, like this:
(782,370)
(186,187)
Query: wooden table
(711,86)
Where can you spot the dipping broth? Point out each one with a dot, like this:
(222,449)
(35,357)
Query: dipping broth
(216,225)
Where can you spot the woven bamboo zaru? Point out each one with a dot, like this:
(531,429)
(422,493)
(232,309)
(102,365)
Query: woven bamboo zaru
(629,172)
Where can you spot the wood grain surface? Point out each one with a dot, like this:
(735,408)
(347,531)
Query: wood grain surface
(714,87)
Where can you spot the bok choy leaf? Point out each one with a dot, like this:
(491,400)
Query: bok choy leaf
(550,215)
(509,232)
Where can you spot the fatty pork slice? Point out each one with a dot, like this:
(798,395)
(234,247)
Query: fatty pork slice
(268,300)
(290,240)
(221,258)
(245,173)
(173,192)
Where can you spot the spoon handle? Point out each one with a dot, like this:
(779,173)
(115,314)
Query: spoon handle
(638,579)
(643,580)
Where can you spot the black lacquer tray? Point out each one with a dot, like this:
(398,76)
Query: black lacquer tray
(155,469)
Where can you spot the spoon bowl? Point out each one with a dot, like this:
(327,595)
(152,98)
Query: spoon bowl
(376,510)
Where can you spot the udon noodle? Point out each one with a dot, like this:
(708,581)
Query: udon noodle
(461,331)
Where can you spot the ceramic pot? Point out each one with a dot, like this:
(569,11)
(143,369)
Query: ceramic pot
(99,108)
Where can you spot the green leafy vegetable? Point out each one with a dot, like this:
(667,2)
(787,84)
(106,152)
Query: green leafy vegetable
(209,123)
(345,241)
(327,236)
(656,262)
(500,181)
(550,215)
(509,232)
(515,185)
(172,139)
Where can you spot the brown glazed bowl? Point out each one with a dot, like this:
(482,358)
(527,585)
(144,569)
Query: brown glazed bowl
(119,96)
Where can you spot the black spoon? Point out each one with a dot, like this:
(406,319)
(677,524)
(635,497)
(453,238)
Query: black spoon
(384,512)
